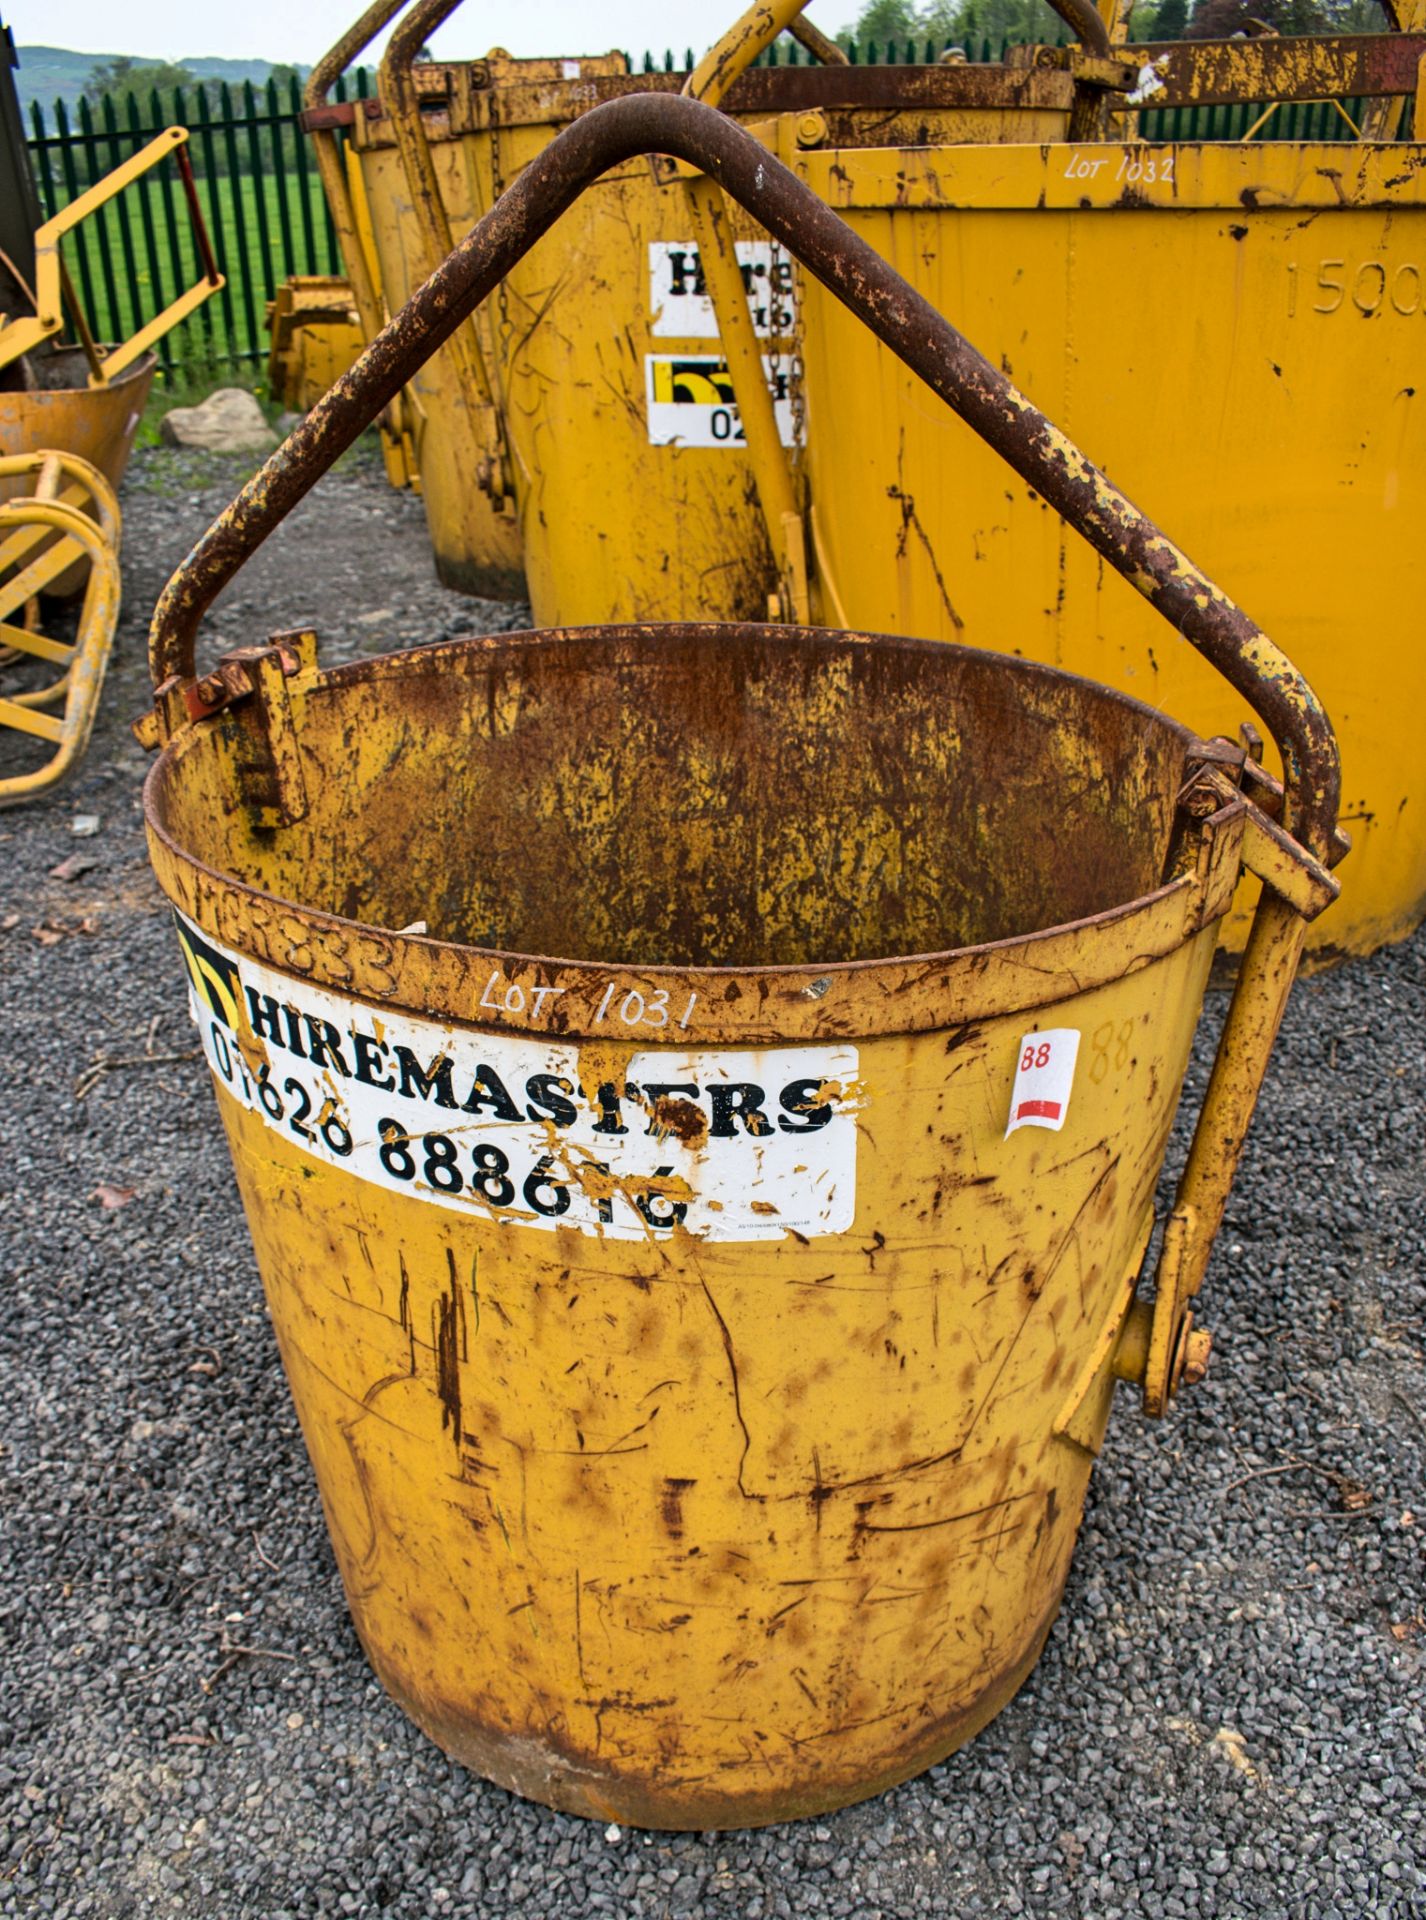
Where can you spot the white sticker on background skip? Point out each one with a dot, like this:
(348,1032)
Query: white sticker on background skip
(691,404)
(569,69)
(1044,1075)
(679,300)
(727,1144)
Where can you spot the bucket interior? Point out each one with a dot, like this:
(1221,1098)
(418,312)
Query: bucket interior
(730,796)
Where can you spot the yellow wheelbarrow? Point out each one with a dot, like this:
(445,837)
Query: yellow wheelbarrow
(698,1094)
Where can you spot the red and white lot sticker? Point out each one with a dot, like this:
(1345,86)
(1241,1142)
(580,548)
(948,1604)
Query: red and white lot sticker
(1044,1075)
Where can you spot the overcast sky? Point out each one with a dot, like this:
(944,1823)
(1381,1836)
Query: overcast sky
(280,31)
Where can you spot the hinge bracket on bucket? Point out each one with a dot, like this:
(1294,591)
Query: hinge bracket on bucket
(257,678)
(1269,850)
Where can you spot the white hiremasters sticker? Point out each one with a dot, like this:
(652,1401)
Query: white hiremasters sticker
(678,298)
(691,404)
(569,69)
(1044,1075)
(748,1144)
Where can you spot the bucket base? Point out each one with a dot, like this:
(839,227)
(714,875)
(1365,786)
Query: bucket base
(480,580)
(538,1769)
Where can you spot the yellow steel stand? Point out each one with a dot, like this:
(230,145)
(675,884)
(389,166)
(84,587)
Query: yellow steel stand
(42,535)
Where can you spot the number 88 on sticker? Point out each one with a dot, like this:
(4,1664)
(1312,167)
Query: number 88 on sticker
(1044,1077)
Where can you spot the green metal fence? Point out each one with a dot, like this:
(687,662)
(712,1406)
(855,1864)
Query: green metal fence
(258,187)
(263,202)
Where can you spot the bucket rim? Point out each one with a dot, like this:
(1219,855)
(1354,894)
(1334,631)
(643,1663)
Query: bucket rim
(532,639)
(509,989)
(527,101)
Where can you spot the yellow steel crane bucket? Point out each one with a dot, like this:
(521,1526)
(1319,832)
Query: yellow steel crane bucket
(315,334)
(1234,333)
(595,400)
(698,1094)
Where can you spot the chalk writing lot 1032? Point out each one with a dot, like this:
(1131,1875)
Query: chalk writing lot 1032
(730,1145)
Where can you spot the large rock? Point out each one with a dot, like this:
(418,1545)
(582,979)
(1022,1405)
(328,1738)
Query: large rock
(229,421)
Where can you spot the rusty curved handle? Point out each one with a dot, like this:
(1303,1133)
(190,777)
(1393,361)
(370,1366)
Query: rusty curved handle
(357,38)
(1083,19)
(323,77)
(621,130)
(403,104)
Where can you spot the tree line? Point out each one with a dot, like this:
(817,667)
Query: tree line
(956,22)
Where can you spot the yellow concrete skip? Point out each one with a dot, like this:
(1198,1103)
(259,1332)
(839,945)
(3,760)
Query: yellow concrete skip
(698,1093)
(592,405)
(1232,332)
(702,1342)
(315,334)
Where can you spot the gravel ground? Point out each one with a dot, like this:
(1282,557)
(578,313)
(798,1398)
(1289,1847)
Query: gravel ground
(1228,1719)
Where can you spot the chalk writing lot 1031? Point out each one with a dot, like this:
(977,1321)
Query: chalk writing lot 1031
(750,1144)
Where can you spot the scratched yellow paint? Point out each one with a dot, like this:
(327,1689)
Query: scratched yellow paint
(610,526)
(710,1535)
(1234,334)
(690,1529)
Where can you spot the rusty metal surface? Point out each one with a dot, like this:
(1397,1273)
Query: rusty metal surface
(852,271)
(817,43)
(898,89)
(1083,18)
(1189,73)
(763,90)
(620,711)
(1201,73)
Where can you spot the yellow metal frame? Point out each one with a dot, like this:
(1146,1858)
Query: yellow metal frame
(470,354)
(710,80)
(22,335)
(351,221)
(31,559)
